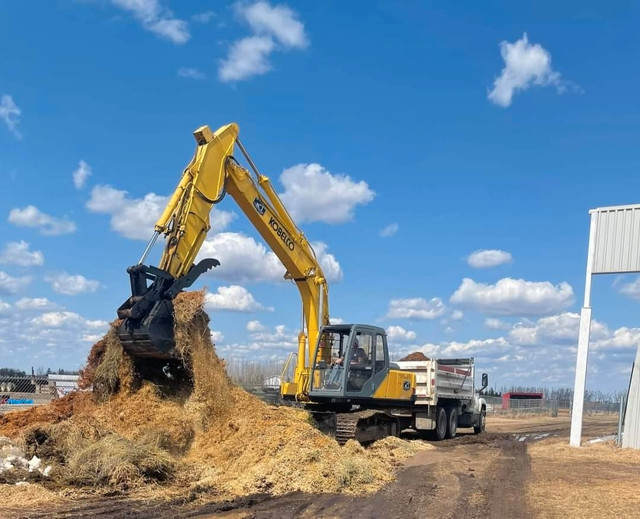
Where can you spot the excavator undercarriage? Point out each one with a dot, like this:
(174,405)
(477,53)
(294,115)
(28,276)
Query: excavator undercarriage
(362,425)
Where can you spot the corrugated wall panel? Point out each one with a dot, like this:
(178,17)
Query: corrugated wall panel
(617,241)
(631,434)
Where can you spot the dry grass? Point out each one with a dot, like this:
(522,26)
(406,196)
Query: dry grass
(118,462)
(115,369)
(597,480)
(16,496)
(219,443)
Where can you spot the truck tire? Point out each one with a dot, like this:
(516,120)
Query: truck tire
(440,432)
(452,422)
(482,421)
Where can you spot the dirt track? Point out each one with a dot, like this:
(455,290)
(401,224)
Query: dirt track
(470,476)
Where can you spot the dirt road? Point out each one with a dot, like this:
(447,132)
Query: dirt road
(470,476)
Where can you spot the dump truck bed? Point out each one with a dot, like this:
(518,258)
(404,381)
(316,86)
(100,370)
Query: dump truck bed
(441,378)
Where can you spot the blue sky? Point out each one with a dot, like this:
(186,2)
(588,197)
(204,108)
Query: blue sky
(456,129)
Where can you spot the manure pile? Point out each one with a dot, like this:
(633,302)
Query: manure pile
(212,442)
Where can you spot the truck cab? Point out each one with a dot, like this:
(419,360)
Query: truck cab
(352,365)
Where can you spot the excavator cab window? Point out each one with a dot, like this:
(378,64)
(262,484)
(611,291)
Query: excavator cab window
(381,360)
(330,363)
(361,360)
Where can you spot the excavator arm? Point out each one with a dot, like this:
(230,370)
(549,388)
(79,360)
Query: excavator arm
(147,327)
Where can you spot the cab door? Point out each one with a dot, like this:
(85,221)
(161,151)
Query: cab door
(368,362)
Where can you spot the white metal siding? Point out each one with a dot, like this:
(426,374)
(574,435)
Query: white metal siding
(617,242)
(631,435)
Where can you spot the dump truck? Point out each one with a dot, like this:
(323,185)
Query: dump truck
(446,398)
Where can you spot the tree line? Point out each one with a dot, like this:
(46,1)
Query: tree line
(39,372)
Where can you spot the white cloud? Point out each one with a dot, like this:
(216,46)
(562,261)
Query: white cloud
(135,218)
(622,339)
(496,324)
(525,65)
(10,114)
(18,253)
(278,21)
(336,320)
(274,28)
(247,57)
(157,19)
(389,230)
(31,216)
(277,339)
(244,260)
(204,17)
(234,298)
(312,194)
(37,303)
(216,336)
(72,285)
(255,326)
(81,174)
(328,262)
(190,73)
(399,334)
(457,315)
(57,319)
(262,345)
(39,332)
(487,258)
(416,308)
(5,309)
(556,329)
(474,346)
(631,289)
(12,285)
(513,297)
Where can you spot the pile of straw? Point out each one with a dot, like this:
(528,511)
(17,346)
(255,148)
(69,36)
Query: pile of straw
(216,441)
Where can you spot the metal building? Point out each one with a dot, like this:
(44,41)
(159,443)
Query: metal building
(614,248)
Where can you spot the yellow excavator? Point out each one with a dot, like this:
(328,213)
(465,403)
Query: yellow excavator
(342,372)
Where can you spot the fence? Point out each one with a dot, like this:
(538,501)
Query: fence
(497,405)
(24,392)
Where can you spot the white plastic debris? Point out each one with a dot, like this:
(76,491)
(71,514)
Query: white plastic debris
(34,463)
(12,458)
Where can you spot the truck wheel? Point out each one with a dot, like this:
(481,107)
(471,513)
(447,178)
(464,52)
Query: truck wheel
(482,422)
(452,422)
(440,432)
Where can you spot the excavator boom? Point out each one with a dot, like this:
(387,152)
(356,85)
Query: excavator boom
(147,326)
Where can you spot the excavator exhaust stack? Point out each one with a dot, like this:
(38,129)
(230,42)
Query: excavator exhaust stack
(146,330)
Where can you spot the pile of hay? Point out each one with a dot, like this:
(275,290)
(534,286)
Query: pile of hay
(215,440)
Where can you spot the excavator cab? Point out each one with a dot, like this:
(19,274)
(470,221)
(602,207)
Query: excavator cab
(351,363)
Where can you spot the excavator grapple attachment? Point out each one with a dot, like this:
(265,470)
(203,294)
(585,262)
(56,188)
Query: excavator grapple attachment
(151,337)
(146,330)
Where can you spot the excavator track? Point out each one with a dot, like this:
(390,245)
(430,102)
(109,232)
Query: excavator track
(364,426)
